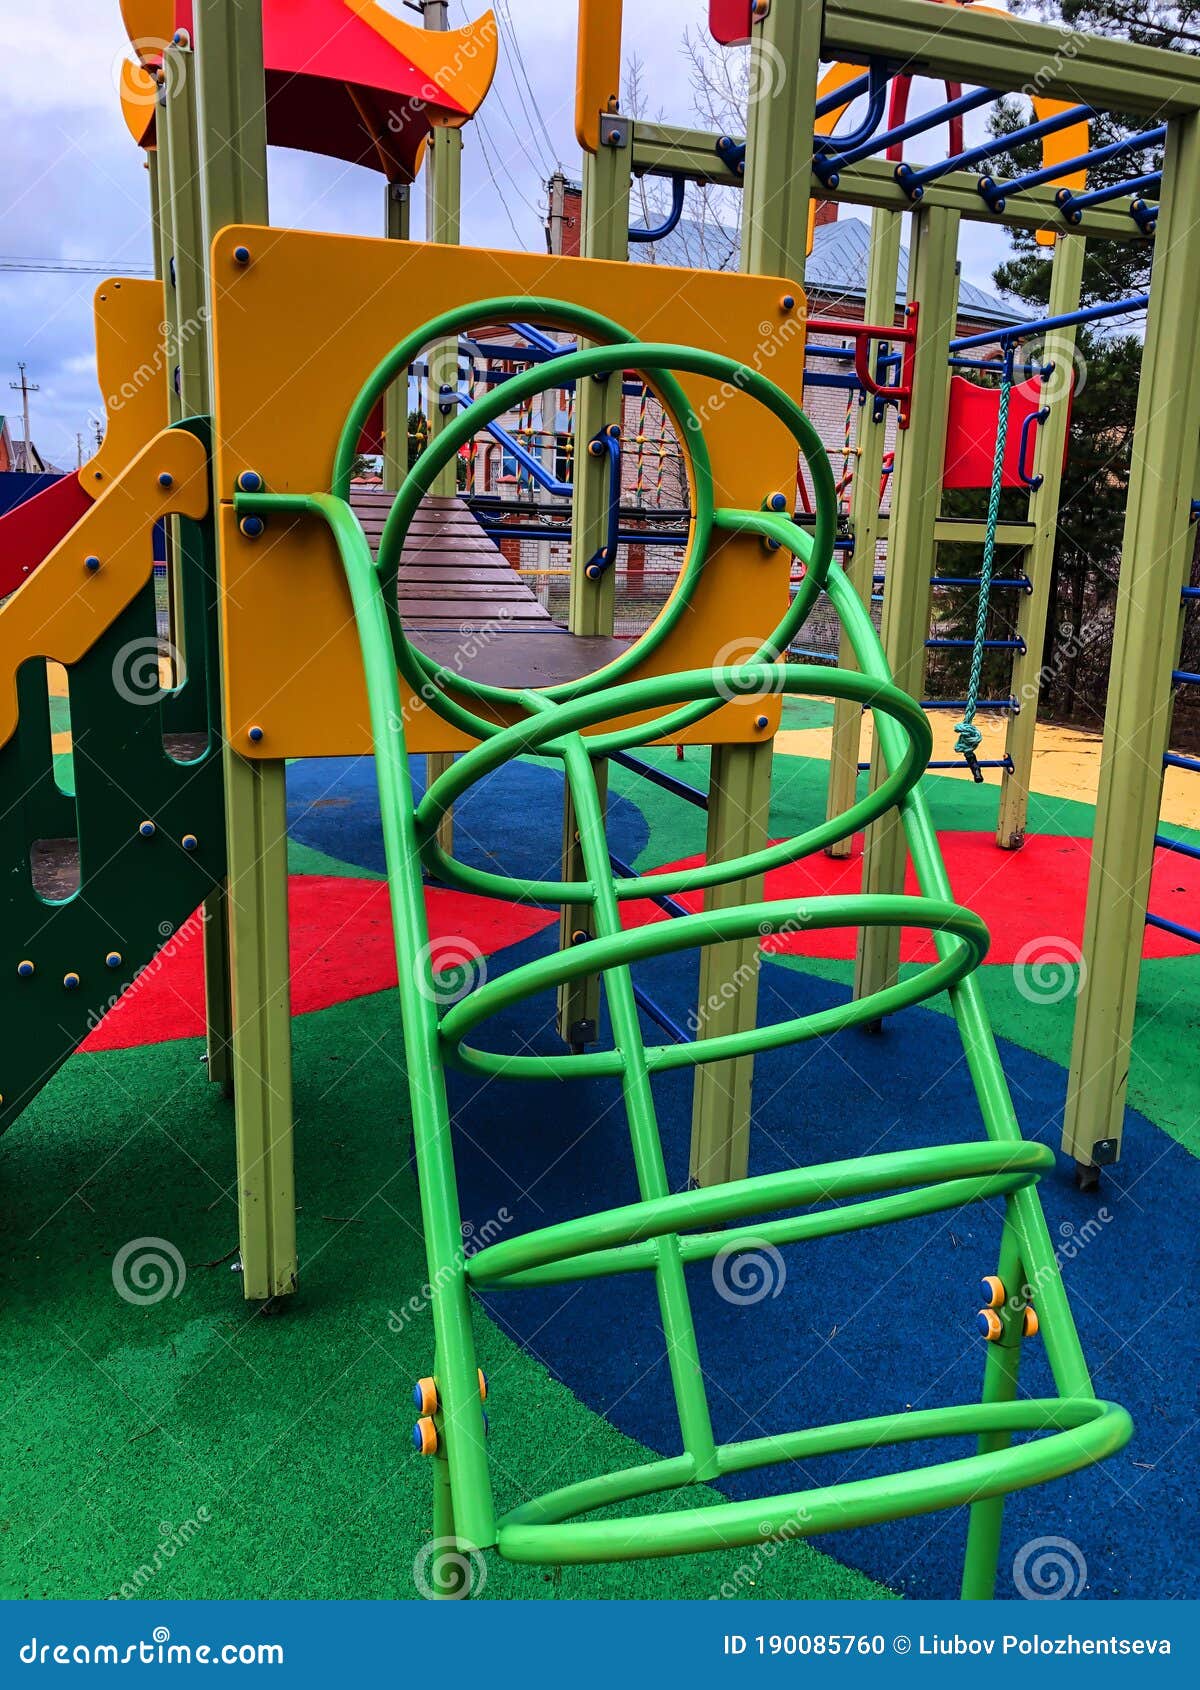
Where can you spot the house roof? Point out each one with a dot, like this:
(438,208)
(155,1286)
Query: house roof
(837,265)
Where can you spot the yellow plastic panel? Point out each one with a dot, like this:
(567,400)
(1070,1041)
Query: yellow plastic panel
(597,68)
(63,608)
(131,364)
(296,333)
(1060,149)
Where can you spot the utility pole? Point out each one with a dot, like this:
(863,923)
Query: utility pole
(25,388)
(78,450)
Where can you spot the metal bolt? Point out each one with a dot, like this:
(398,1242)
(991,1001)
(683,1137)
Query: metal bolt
(189,842)
(147,830)
(166,479)
(255,735)
(241,254)
(91,564)
(25,970)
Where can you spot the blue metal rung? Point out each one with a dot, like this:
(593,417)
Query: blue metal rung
(1190,593)
(657,1013)
(1175,927)
(1173,760)
(994,193)
(1179,845)
(1184,678)
(958,763)
(810,656)
(1021,582)
(913,181)
(660,777)
(1011,705)
(969,645)
(623,872)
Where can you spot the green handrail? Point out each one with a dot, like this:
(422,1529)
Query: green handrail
(663,1230)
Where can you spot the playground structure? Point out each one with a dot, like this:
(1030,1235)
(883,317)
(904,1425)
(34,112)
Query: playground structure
(179,803)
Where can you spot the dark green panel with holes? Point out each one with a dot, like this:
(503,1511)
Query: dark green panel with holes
(93,887)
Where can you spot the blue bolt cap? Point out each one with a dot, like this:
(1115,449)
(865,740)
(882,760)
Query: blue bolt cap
(113,959)
(24,970)
(255,736)
(71,981)
(249,481)
(146,829)
(189,842)
(252,526)
(91,564)
(242,254)
(166,479)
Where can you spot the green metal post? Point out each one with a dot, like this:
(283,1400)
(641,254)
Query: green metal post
(882,269)
(1155,558)
(604,233)
(443,216)
(999,1386)
(774,242)
(916,499)
(1059,347)
(232,131)
(398,207)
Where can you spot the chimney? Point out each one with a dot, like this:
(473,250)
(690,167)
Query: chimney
(826,213)
(563,222)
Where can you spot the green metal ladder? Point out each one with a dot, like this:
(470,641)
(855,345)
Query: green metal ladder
(663,1231)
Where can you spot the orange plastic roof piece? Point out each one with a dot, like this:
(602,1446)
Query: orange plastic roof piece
(343,77)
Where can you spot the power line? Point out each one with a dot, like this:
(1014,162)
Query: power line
(529,134)
(74,267)
(512,30)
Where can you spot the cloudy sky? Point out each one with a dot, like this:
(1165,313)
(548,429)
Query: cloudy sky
(73,188)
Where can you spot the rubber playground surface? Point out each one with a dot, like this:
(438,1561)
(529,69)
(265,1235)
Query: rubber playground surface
(165,1440)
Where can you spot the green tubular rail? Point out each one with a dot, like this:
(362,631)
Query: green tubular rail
(665,1230)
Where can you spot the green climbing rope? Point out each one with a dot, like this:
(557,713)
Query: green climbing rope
(662,1231)
(969,736)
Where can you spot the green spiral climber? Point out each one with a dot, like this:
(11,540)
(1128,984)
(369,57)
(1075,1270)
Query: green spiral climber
(663,1231)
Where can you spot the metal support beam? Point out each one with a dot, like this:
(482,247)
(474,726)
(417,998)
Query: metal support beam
(443,218)
(668,149)
(232,136)
(774,242)
(997,50)
(604,233)
(916,498)
(880,307)
(1032,608)
(397,214)
(1155,559)
(183,265)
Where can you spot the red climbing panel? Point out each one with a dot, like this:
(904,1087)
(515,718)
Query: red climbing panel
(729,20)
(31,530)
(971,432)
